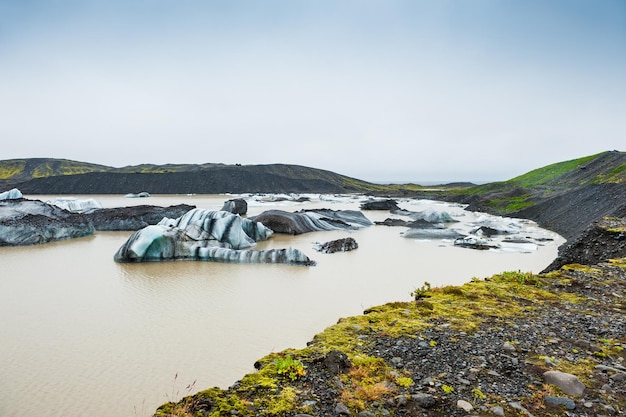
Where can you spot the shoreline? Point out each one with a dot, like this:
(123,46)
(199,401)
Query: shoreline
(482,347)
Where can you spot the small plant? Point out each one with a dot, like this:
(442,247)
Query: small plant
(524,278)
(179,404)
(432,343)
(176,394)
(478,394)
(447,389)
(404,382)
(290,367)
(421,292)
(369,379)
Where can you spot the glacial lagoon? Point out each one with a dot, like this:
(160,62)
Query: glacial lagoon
(85,336)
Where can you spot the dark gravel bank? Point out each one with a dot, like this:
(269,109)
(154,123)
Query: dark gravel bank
(487,348)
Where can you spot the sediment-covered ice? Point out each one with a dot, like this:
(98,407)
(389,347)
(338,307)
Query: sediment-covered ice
(312,220)
(30,222)
(222,226)
(476,230)
(205,235)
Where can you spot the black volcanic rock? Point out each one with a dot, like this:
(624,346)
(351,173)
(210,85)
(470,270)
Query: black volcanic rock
(388,204)
(236,206)
(133,217)
(570,213)
(603,239)
(340,245)
(393,222)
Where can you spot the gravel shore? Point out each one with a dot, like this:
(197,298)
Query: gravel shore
(513,344)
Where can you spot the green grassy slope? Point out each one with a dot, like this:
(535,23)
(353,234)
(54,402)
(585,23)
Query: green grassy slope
(18,170)
(526,190)
(551,174)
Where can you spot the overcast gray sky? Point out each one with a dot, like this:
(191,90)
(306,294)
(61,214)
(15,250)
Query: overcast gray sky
(386,90)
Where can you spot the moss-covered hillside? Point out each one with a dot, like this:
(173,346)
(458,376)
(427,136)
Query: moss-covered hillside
(564,197)
(13,171)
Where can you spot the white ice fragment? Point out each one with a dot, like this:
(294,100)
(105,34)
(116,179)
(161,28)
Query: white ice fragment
(12,194)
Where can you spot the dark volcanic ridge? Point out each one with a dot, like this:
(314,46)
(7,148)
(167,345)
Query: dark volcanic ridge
(67,177)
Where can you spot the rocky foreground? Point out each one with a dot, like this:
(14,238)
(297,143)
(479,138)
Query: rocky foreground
(514,344)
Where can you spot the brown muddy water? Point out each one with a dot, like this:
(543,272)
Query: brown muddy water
(84,336)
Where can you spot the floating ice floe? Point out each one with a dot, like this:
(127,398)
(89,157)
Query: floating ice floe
(431,216)
(475,243)
(142,194)
(518,245)
(30,222)
(205,235)
(451,224)
(75,205)
(312,220)
(441,233)
(12,194)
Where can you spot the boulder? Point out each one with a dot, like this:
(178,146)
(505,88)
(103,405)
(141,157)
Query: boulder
(568,383)
(337,362)
(562,401)
(30,222)
(236,206)
(393,222)
(464,405)
(388,204)
(205,235)
(311,220)
(134,217)
(339,245)
(424,400)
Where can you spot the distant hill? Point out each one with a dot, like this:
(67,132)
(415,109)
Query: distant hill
(565,197)
(13,171)
(59,176)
